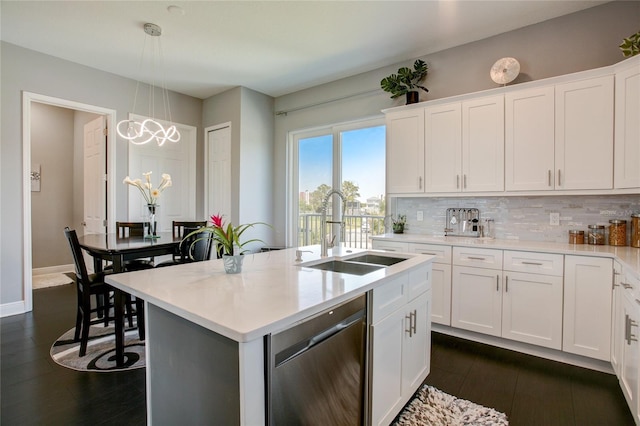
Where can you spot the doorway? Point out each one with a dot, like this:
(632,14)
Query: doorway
(29,99)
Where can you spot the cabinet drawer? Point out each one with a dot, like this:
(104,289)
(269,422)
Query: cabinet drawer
(442,253)
(477,257)
(535,263)
(390,246)
(389,297)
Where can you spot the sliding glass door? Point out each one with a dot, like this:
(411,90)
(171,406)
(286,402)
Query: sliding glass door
(350,158)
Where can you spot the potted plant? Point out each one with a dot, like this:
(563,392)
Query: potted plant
(399,223)
(631,45)
(405,82)
(227,240)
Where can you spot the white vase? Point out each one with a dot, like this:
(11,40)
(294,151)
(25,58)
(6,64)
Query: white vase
(232,264)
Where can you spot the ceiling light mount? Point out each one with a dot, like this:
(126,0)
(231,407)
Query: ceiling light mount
(153,29)
(149,130)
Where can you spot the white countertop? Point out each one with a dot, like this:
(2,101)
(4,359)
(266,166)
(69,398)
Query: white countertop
(270,294)
(628,256)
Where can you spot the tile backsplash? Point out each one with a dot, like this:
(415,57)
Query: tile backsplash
(523,218)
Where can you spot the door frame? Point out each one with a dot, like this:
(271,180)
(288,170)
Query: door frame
(110,115)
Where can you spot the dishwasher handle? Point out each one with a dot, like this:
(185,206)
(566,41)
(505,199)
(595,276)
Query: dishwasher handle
(306,345)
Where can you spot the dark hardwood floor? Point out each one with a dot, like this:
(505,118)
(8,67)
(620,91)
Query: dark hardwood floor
(34,390)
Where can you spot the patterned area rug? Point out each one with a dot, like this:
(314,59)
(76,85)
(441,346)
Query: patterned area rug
(101,350)
(431,406)
(50,280)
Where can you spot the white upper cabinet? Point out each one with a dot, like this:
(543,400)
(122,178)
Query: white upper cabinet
(584,134)
(529,140)
(627,128)
(405,151)
(443,148)
(483,144)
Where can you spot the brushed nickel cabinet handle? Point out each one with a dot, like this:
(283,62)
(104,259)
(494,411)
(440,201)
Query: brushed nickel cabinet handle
(497,282)
(559,180)
(549,177)
(410,330)
(475,258)
(457,181)
(506,284)
(414,316)
(420,182)
(532,263)
(464,179)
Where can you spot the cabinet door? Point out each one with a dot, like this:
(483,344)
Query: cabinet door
(476,300)
(532,309)
(617,319)
(629,380)
(405,151)
(443,148)
(584,134)
(529,140)
(627,124)
(587,306)
(441,293)
(417,345)
(483,144)
(386,386)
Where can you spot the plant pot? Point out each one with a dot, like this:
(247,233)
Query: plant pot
(413,98)
(398,229)
(232,264)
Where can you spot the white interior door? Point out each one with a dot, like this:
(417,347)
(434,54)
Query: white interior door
(177,202)
(95,184)
(219,171)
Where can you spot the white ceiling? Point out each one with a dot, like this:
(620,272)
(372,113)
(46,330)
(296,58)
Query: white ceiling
(274,47)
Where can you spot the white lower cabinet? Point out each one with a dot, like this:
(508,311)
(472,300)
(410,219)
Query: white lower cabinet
(476,299)
(401,342)
(532,299)
(440,280)
(630,367)
(626,346)
(521,300)
(587,306)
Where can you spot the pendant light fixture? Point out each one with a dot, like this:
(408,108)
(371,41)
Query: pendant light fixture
(150,130)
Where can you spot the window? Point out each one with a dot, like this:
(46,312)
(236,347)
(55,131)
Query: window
(348,157)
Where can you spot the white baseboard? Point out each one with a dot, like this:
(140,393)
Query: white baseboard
(13,308)
(53,269)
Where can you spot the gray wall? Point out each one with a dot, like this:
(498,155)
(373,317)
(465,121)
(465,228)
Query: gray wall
(27,70)
(580,41)
(251,116)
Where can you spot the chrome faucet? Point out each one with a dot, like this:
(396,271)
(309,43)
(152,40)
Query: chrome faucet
(324,244)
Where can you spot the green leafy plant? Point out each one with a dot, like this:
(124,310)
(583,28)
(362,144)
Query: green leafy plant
(406,80)
(631,45)
(399,222)
(227,237)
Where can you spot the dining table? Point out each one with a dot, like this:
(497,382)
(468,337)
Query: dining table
(117,250)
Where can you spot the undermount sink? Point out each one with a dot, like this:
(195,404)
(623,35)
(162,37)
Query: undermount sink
(376,259)
(360,264)
(346,267)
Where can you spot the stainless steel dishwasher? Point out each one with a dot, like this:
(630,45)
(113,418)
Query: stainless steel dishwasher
(316,373)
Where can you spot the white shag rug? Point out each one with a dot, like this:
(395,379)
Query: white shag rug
(431,406)
(50,280)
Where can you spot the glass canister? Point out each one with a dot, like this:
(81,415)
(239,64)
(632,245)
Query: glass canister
(595,235)
(576,236)
(617,232)
(635,230)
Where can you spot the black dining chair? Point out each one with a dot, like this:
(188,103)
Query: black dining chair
(88,285)
(196,247)
(129,230)
(179,225)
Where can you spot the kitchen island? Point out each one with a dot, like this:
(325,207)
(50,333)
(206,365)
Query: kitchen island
(206,329)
